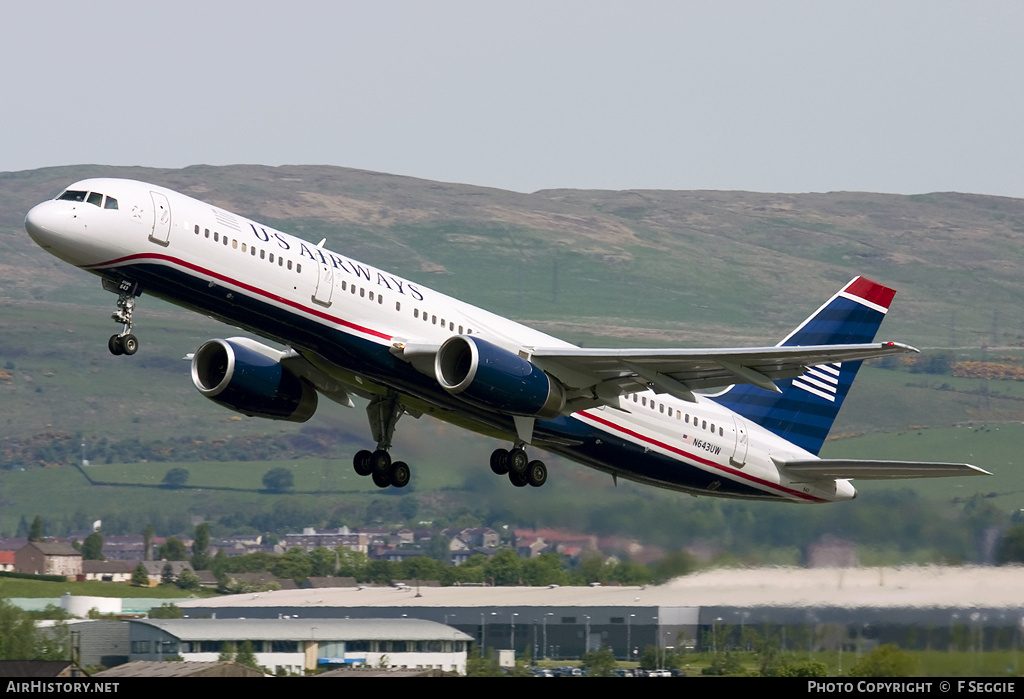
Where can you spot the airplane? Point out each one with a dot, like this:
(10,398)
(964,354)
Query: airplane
(728,422)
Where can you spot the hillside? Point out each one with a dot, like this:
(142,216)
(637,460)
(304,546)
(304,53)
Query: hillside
(625,268)
(695,268)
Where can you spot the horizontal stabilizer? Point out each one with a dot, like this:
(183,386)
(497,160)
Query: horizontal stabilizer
(878,470)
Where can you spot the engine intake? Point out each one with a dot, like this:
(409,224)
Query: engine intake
(250,382)
(482,373)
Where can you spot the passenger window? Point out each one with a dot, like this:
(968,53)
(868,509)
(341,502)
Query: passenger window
(96,199)
(110,203)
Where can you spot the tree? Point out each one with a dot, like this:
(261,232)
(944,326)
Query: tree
(293,563)
(36,533)
(201,547)
(173,549)
(505,568)
(21,640)
(187,580)
(92,547)
(324,561)
(147,550)
(1011,546)
(246,655)
(140,578)
(545,569)
(167,610)
(278,480)
(886,661)
(175,478)
(599,663)
(352,563)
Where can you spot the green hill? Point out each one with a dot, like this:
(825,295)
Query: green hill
(622,268)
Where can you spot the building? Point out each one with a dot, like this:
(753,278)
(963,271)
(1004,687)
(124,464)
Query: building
(297,645)
(46,558)
(915,607)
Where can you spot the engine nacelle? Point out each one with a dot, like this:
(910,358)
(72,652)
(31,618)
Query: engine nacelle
(482,373)
(242,378)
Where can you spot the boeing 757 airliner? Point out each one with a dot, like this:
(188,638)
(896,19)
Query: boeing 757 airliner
(349,329)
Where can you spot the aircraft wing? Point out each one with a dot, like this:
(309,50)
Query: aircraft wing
(877,470)
(678,372)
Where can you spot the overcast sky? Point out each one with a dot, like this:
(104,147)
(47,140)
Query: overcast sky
(780,96)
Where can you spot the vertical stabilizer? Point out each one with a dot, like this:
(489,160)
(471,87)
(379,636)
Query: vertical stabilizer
(804,411)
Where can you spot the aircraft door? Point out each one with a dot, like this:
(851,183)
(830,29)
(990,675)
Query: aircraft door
(324,286)
(739,452)
(161,219)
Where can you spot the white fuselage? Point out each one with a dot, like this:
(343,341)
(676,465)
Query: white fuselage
(351,314)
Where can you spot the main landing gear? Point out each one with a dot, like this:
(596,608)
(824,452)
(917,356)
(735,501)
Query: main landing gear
(124,342)
(384,412)
(521,471)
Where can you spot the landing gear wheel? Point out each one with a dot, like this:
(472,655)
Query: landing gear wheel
(130,344)
(536,474)
(399,474)
(114,345)
(499,461)
(380,462)
(517,479)
(518,461)
(361,462)
(380,479)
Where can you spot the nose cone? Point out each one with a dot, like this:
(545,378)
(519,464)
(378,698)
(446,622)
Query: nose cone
(45,223)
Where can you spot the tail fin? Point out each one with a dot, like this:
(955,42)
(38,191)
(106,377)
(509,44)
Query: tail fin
(804,411)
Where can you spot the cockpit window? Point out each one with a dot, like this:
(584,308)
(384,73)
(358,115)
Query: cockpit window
(72,195)
(111,203)
(96,199)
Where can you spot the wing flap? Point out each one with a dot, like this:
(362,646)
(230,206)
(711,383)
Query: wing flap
(697,369)
(878,470)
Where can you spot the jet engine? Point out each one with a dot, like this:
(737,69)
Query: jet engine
(249,378)
(487,375)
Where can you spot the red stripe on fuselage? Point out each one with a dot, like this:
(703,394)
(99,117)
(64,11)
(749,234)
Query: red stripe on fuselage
(252,289)
(693,457)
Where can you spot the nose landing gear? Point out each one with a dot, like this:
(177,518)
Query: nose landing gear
(124,342)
